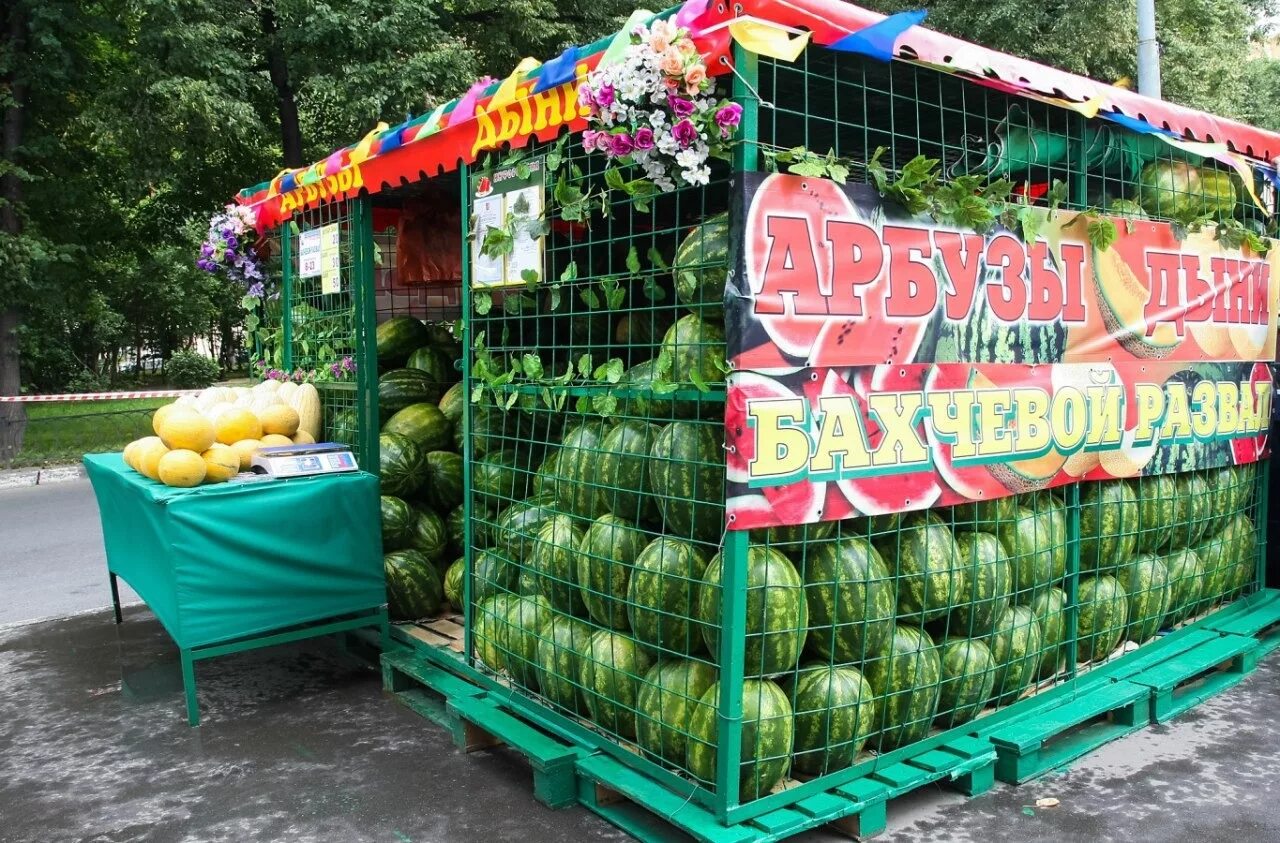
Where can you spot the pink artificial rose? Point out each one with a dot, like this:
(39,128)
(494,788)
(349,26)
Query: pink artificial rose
(695,75)
(670,83)
(687,46)
(604,96)
(658,43)
(589,140)
(585,97)
(685,133)
(728,118)
(622,144)
(671,63)
(663,29)
(644,138)
(680,107)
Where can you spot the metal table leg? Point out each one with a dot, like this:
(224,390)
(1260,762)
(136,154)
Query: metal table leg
(115,596)
(189,688)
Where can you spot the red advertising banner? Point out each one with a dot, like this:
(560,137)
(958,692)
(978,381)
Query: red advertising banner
(884,364)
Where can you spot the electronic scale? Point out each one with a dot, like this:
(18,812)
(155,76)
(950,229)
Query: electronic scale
(303,460)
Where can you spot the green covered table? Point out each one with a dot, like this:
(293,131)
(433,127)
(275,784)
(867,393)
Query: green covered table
(236,566)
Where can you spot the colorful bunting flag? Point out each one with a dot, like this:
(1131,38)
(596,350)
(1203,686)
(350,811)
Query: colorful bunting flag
(559,70)
(363,151)
(391,140)
(288,182)
(768,39)
(689,14)
(466,107)
(618,46)
(879,39)
(431,125)
(506,93)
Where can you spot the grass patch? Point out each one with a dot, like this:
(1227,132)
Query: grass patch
(62,432)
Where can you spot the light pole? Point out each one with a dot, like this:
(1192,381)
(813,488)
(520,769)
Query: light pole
(1148,50)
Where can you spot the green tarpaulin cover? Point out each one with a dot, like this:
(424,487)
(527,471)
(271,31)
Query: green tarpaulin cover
(230,560)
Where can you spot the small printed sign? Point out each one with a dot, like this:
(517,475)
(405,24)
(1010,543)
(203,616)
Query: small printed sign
(309,254)
(330,260)
(510,199)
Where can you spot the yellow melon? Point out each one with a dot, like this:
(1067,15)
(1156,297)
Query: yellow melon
(148,455)
(221,463)
(285,390)
(186,429)
(244,450)
(216,412)
(127,454)
(273,439)
(303,438)
(235,424)
(161,413)
(182,468)
(266,386)
(279,418)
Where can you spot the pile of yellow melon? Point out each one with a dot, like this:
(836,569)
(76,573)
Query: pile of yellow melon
(210,437)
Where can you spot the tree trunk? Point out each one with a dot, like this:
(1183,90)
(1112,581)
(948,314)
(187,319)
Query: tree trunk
(13,417)
(286,101)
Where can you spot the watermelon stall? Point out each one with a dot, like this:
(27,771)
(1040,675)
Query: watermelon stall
(830,395)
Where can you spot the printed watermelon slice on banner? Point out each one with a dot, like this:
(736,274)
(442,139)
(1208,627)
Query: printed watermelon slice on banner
(1249,449)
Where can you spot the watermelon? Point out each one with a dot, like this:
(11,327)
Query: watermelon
(455,526)
(453,583)
(623,471)
(968,676)
(701,266)
(442,488)
(489,619)
(491,428)
(988,582)
(428,535)
(1103,618)
(983,516)
(1242,547)
(610,675)
(695,348)
(1016,647)
(835,711)
(668,696)
(424,424)
(344,427)
(850,598)
(402,465)
(1181,191)
(544,480)
(499,479)
(794,540)
(577,470)
(413,585)
(1186,584)
(1108,525)
(662,594)
(768,732)
(1224,492)
(907,683)
(399,388)
(646,402)
(1194,497)
(444,335)
(518,525)
(397,522)
(1028,542)
(1228,560)
(397,337)
(494,573)
(1157,511)
(518,638)
(1145,580)
(686,473)
(1050,608)
(438,365)
(777,617)
(553,556)
(558,662)
(931,575)
(642,329)
(452,404)
(606,554)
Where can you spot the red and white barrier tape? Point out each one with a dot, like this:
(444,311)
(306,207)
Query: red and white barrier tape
(95,396)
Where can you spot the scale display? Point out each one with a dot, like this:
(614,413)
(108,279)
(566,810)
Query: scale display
(303,460)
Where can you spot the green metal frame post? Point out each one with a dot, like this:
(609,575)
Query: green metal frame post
(361,233)
(468,556)
(286,295)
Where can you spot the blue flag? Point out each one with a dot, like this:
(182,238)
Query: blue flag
(878,40)
(557,71)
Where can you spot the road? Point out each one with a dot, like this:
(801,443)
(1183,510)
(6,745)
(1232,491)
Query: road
(52,561)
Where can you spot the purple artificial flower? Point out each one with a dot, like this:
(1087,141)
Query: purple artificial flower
(256,290)
(335,370)
(586,97)
(728,118)
(348,364)
(681,106)
(644,138)
(622,144)
(232,242)
(604,96)
(589,140)
(685,133)
(206,250)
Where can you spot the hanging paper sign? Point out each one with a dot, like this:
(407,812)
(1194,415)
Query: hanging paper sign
(884,363)
(330,259)
(508,235)
(309,253)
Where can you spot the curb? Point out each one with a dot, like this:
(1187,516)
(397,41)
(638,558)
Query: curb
(22,477)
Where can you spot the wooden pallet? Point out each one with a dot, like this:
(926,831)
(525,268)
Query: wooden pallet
(1192,676)
(1257,616)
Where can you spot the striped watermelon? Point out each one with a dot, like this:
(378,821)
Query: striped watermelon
(1194,498)
(695,347)
(544,480)
(777,618)
(1050,608)
(1016,646)
(438,365)
(518,638)
(397,522)
(1108,525)
(577,479)
(1157,511)
(1103,618)
(850,597)
(686,474)
(653,405)
(606,554)
(701,266)
(983,516)
(835,711)
(667,698)
(455,525)
(968,676)
(442,489)
(1242,547)
(1186,584)
(768,732)
(611,671)
(424,424)
(343,427)
(518,525)
(428,535)
(402,465)
(623,471)
(907,684)
(1027,541)
(1145,580)
(397,337)
(452,403)
(558,662)
(494,573)
(989,585)
(1227,560)
(642,329)
(489,620)
(413,585)
(399,388)
(499,479)
(553,557)
(931,576)
(662,595)
(795,540)
(453,583)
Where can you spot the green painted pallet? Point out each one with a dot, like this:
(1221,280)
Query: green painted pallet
(1257,617)
(1036,743)
(1191,677)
